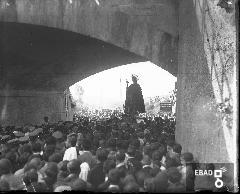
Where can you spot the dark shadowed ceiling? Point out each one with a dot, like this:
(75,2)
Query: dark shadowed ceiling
(47,59)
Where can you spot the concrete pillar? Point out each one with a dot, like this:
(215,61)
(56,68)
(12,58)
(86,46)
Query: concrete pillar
(20,107)
(206,69)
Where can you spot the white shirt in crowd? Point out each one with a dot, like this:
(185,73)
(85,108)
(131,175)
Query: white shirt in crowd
(84,171)
(70,154)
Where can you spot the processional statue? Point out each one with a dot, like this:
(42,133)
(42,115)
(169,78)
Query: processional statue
(134,103)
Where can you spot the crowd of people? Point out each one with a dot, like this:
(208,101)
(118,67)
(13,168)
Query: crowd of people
(117,154)
(97,114)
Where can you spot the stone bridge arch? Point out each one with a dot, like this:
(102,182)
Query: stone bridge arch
(146,28)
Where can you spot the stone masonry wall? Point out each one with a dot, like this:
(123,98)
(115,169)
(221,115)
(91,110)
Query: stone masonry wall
(24,107)
(206,81)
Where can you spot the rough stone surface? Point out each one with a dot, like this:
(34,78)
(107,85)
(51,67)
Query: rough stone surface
(200,128)
(29,107)
(47,59)
(148,29)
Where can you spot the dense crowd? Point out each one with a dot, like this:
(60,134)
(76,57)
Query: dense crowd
(117,154)
(97,114)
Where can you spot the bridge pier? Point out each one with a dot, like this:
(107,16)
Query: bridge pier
(204,81)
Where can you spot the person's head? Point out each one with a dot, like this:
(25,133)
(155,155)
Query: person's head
(35,163)
(79,138)
(135,143)
(119,145)
(51,169)
(112,155)
(161,182)
(55,157)
(154,171)
(162,149)
(176,150)
(23,159)
(161,139)
(86,144)
(170,143)
(134,79)
(111,144)
(12,157)
(101,143)
(128,178)
(51,173)
(120,157)
(31,176)
(170,162)
(114,176)
(74,128)
(174,176)
(79,185)
(48,151)
(108,165)
(157,155)
(73,166)
(134,166)
(155,146)
(50,140)
(5,166)
(36,147)
(131,150)
(140,135)
(138,155)
(4,185)
(149,185)
(147,150)
(140,177)
(131,187)
(186,158)
(102,155)
(25,148)
(95,142)
(62,166)
(146,160)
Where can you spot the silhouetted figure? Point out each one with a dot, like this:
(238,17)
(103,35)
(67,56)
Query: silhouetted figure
(46,121)
(134,103)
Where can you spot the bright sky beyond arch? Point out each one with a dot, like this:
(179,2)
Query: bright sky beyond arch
(107,89)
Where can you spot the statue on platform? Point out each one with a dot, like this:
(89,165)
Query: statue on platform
(134,103)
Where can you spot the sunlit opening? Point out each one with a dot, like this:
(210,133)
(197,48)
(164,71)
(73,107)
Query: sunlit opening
(107,89)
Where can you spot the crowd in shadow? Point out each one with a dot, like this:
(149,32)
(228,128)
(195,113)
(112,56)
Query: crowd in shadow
(117,154)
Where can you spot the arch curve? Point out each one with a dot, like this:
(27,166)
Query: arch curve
(148,29)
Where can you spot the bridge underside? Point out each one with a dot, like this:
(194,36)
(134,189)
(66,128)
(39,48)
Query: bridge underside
(39,63)
(48,59)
